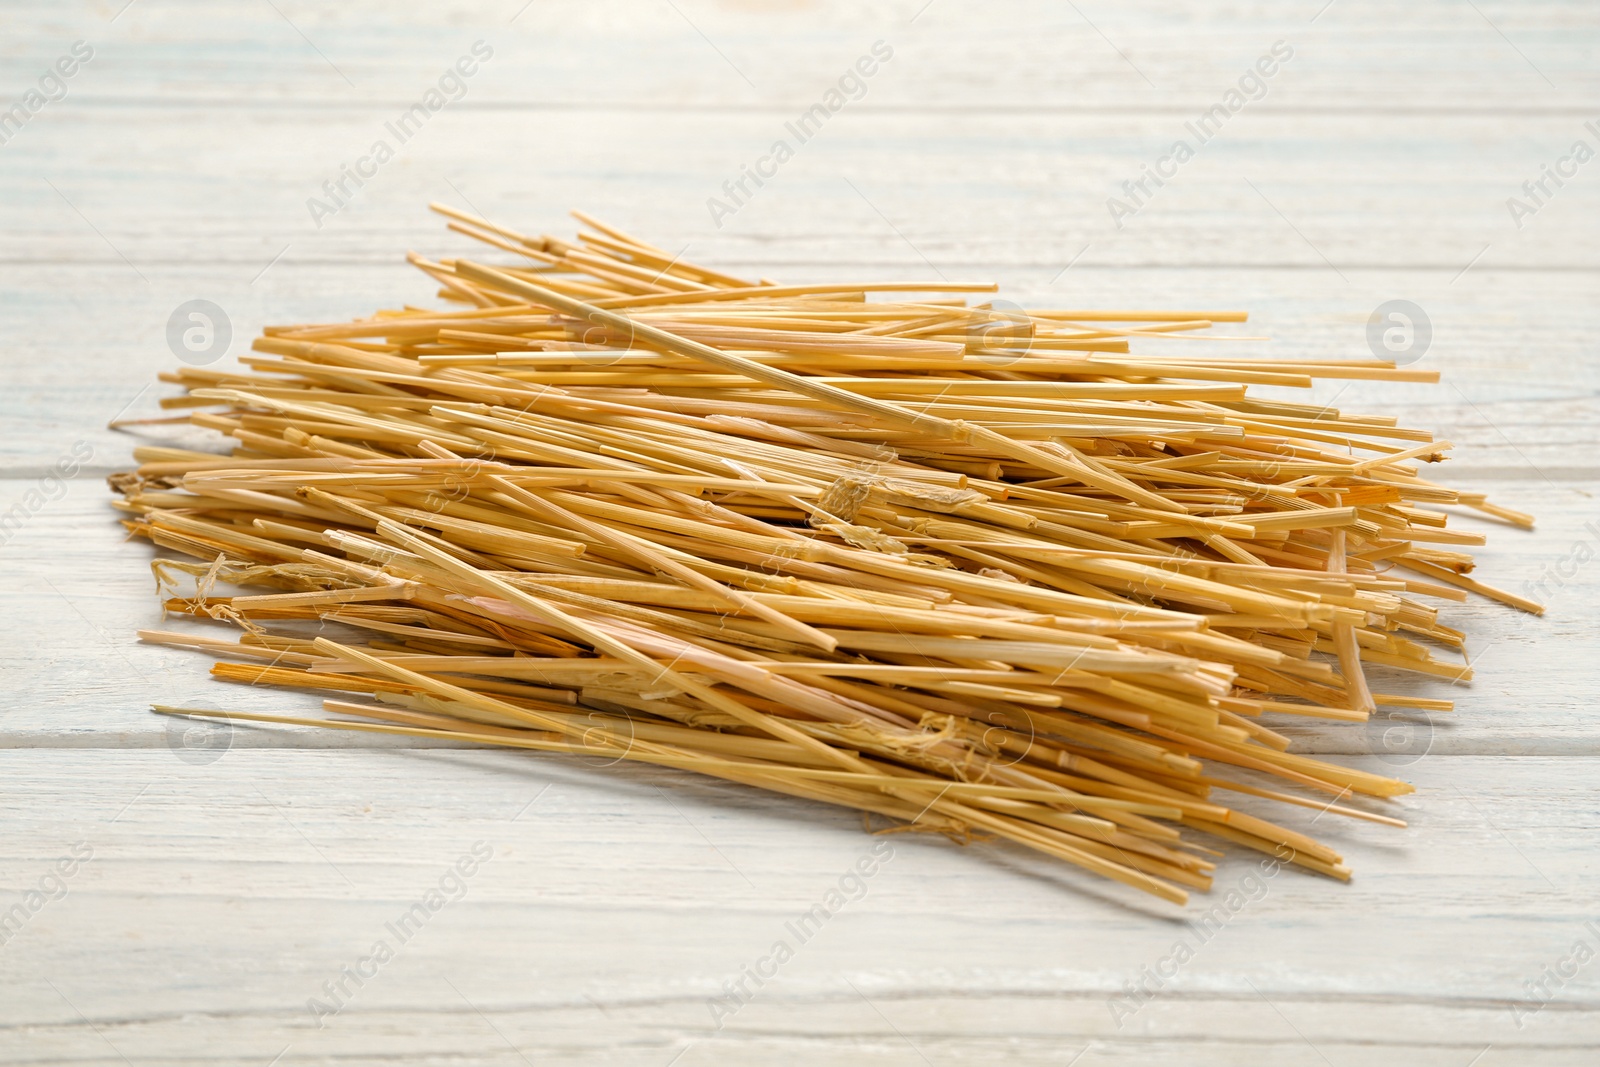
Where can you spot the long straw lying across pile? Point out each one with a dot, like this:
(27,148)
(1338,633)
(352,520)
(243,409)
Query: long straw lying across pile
(977,571)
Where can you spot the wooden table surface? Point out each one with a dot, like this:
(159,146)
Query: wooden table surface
(188,897)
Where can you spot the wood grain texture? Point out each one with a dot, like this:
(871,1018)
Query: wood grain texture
(234,872)
(619,901)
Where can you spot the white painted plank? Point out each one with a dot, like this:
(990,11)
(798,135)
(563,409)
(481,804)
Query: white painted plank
(1518,397)
(78,592)
(163,186)
(1353,55)
(222,896)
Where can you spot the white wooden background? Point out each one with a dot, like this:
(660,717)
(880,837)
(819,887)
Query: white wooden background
(228,883)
